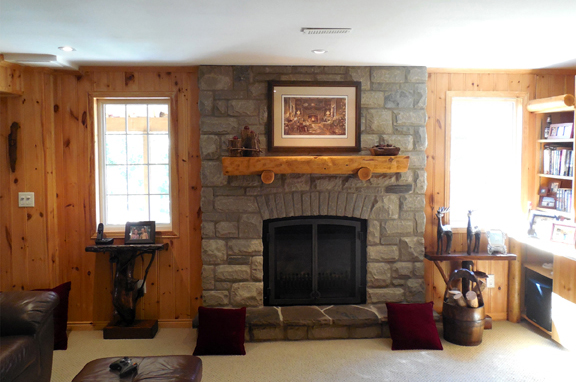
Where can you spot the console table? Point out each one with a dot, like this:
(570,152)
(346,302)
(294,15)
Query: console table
(126,292)
(467,261)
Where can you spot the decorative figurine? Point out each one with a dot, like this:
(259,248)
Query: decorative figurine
(443,230)
(472,232)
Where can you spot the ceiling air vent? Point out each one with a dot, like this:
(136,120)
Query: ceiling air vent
(326,30)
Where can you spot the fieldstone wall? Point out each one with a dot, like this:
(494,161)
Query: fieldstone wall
(233,208)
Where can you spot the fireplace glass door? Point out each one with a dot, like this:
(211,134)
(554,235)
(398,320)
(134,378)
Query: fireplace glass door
(310,261)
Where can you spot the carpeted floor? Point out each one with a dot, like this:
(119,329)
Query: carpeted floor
(509,352)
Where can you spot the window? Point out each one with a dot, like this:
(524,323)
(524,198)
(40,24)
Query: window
(133,142)
(485,159)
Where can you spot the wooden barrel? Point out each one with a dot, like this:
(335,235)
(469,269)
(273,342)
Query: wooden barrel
(463,325)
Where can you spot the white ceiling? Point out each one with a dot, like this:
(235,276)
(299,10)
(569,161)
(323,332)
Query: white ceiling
(490,34)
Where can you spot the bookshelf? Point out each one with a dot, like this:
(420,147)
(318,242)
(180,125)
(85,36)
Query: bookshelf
(555,181)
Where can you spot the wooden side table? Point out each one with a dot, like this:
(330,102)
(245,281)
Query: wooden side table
(126,293)
(467,260)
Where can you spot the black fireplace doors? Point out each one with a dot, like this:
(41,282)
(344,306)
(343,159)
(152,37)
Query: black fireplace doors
(314,261)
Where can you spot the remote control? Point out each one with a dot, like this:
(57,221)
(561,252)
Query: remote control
(129,370)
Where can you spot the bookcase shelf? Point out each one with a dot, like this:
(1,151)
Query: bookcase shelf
(556,110)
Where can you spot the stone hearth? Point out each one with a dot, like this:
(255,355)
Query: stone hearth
(294,323)
(233,208)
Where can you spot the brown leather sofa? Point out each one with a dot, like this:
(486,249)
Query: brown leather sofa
(26,335)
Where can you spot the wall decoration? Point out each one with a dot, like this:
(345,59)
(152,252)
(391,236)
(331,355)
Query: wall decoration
(314,116)
(140,232)
(13,145)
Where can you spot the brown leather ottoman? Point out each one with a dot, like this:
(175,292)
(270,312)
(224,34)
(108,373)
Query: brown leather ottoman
(174,368)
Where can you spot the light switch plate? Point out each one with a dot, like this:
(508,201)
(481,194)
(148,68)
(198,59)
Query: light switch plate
(490,282)
(25,199)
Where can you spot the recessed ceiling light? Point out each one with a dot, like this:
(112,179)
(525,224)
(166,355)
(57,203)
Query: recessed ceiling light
(319,51)
(66,48)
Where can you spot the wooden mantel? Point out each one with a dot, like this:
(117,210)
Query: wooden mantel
(266,167)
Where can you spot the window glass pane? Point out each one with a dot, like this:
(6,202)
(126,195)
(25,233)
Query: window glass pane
(137,207)
(116,180)
(160,208)
(115,118)
(137,150)
(158,118)
(137,118)
(484,161)
(159,148)
(116,211)
(159,179)
(137,180)
(115,149)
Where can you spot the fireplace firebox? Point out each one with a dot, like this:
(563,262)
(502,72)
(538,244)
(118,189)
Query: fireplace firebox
(316,260)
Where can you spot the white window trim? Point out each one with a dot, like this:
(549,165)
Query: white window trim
(96,98)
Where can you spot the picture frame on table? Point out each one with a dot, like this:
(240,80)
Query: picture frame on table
(143,232)
(540,224)
(309,116)
(563,233)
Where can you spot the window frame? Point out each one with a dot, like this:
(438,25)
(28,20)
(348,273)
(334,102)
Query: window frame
(522,101)
(95,98)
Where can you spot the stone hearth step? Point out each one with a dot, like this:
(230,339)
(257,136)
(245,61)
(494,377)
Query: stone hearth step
(293,323)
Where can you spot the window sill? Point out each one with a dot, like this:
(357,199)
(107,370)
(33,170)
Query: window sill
(120,235)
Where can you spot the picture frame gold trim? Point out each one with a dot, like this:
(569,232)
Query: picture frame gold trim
(332,129)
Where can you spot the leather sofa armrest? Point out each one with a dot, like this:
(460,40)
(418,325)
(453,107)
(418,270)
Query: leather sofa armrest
(25,312)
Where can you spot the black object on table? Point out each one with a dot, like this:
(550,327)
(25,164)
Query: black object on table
(126,293)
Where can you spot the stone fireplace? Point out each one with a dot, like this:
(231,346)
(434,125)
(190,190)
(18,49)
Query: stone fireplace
(235,208)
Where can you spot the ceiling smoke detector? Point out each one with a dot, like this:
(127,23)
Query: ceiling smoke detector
(326,30)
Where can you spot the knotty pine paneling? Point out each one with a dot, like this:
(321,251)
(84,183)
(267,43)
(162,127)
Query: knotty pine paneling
(43,246)
(537,85)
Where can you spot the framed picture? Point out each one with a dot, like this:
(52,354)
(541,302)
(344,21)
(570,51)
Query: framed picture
(314,116)
(140,232)
(563,233)
(554,187)
(543,191)
(553,132)
(561,130)
(547,202)
(541,224)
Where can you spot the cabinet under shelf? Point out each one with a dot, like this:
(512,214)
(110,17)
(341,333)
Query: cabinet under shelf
(538,268)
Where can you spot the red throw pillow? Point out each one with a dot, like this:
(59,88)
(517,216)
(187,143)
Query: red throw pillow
(220,331)
(60,315)
(412,326)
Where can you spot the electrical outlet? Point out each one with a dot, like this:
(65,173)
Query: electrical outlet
(490,283)
(25,199)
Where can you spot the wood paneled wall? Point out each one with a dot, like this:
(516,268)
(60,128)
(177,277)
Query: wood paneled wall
(43,246)
(537,84)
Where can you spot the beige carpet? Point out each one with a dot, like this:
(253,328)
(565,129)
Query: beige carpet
(509,352)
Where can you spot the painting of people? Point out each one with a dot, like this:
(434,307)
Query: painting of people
(314,116)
